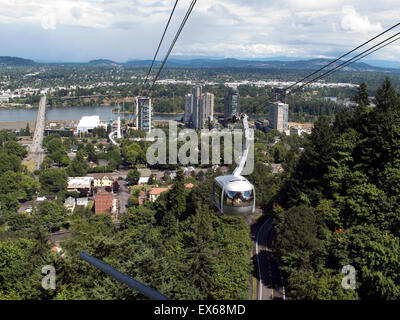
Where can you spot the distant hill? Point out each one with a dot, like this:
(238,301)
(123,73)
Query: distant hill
(103,62)
(312,64)
(142,63)
(15,61)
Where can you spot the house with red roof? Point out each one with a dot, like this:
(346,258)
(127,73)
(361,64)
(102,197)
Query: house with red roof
(103,202)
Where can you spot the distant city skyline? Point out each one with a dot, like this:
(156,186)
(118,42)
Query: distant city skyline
(84,30)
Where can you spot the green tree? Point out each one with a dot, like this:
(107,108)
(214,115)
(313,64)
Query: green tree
(133,153)
(60,157)
(176,202)
(361,98)
(50,215)
(9,163)
(297,243)
(19,185)
(325,285)
(14,148)
(133,176)
(279,152)
(53,180)
(27,130)
(78,167)
(18,222)
(375,255)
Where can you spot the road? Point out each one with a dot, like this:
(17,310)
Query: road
(39,129)
(269,285)
(123,196)
(36,151)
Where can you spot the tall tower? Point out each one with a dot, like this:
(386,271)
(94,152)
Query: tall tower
(196,106)
(207,112)
(144,119)
(278,116)
(188,107)
(231,103)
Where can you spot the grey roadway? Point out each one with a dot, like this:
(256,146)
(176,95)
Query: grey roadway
(36,151)
(269,284)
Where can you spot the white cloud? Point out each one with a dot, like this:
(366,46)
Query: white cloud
(49,21)
(353,21)
(230,28)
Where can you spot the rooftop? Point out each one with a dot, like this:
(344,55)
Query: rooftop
(70,200)
(103,202)
(145,172)
(89,121)
(79,180)
(157,191)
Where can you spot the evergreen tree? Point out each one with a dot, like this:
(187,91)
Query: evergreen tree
(27,130)
(362,95)
(308,183)
(176,201)
(386,96)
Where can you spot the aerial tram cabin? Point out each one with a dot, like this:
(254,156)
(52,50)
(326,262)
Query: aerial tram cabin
(233,194)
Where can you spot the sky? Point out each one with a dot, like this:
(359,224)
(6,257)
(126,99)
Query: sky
(120,30)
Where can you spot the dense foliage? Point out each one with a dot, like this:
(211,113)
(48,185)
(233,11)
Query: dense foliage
(342,205)
(177,244)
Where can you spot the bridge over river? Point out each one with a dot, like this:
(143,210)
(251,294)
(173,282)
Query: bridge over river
(36,152)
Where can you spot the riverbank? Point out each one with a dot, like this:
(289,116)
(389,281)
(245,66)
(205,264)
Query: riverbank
(17,125)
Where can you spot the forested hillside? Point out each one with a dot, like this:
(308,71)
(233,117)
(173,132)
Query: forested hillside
(176,245)
(341,205)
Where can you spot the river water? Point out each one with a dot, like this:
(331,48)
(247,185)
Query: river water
(73,113)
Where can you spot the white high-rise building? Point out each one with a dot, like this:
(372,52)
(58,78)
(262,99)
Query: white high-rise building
(199,108)
(278,116)
(196,107)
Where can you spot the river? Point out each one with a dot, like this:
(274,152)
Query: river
(72,113)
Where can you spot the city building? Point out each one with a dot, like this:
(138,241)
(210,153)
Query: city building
(207,109)
(197,93)
(4,99)
(144,119)
(87,124)
(84,202)
(297,131)
(69,204)
(199,108)
(102,181)
(188,108)
(278,116)
(103,202)
(262,125)
(79,183)
(154,193)
(144,176)
(231,103)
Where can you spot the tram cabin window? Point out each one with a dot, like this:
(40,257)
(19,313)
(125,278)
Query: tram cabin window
(239,198)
